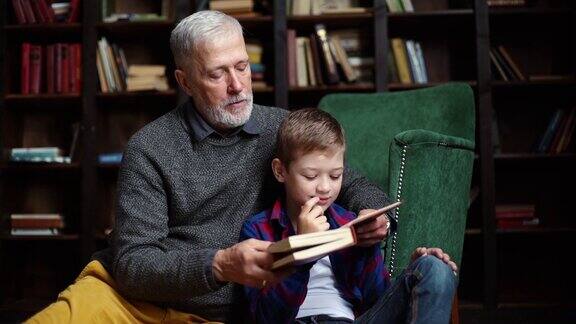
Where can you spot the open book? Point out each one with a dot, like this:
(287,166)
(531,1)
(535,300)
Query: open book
(305,248)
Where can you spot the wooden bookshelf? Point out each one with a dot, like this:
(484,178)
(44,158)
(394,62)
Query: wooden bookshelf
(461,52)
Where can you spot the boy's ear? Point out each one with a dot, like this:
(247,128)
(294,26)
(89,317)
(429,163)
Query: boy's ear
(278,169)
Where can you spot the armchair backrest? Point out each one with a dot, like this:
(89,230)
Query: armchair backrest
(418,146)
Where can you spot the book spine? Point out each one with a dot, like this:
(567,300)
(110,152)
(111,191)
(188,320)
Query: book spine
(25,69)
(35,68)
(19,11)
(330,70)
(28,12)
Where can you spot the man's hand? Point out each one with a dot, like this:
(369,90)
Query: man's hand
(373,231)
(311,218)
(437,252)
(246,263)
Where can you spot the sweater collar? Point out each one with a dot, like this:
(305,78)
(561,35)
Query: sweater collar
(201,129)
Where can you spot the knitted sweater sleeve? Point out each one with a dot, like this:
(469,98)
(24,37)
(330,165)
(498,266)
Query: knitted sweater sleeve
(359,193)
(143,265)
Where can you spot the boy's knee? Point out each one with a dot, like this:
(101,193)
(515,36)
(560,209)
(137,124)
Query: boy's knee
(438,275)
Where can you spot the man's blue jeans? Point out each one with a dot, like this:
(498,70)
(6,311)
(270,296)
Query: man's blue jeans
(423,293)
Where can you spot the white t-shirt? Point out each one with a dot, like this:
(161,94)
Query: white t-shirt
(323,297)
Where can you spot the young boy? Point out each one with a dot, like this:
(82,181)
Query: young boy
(347,283)
(310,163)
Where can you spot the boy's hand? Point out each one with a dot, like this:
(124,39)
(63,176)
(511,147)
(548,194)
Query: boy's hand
(373,231)
(437,252)
(311,218)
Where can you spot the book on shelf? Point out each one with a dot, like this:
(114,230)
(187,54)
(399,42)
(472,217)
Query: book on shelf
(545,142)
(232,6)
(34,231)
(309,247)
(45,11)
(506,3)
(38,154)
(134,11)
(515,216)
(36,221)
(323,7)
(110,158)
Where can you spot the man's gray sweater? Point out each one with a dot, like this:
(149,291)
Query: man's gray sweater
(181,199)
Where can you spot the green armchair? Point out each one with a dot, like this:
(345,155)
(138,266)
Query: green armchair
(417,145)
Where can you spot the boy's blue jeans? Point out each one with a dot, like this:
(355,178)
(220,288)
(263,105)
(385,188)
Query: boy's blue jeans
(421,294)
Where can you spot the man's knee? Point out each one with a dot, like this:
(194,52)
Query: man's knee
(439,276)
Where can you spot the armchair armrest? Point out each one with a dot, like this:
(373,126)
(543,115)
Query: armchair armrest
(431,173)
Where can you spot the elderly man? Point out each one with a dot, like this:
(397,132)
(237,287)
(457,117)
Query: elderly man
(187,182)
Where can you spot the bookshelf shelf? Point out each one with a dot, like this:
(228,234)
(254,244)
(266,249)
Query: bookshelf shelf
(538,230)
(434,14)
(401,86)
(23,167)
(560,81)
(135,25)
(524,157)
(44,29)
(136,95)
(108,167)
(331,21)
(529,11)
(42,98)
(336,88)
(60,237)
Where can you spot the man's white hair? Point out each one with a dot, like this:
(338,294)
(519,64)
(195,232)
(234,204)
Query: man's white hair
(197,28)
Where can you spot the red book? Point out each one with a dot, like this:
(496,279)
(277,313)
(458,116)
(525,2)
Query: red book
(46,11)
(28,12)
(72,67)
(50,67)
(35,69)
(58,67)
(74,11)
(25,69)
(65,66)
(19,11)
(78,67)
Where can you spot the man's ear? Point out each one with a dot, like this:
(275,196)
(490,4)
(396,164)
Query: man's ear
(279,170)
(183,81)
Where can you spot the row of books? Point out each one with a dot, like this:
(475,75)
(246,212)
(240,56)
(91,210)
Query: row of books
(559,134)
(36,224)
(38,154)
(115,75)
(53,68)
(120,10)
(258,69)
(514,216)
(504,67)
(506,3)
(45,11)
(406,62)
(233,7)
(317,59)
(322,7)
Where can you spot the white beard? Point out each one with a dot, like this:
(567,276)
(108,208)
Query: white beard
(221,117)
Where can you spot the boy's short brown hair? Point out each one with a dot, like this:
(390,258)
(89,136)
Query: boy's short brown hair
(307,130)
